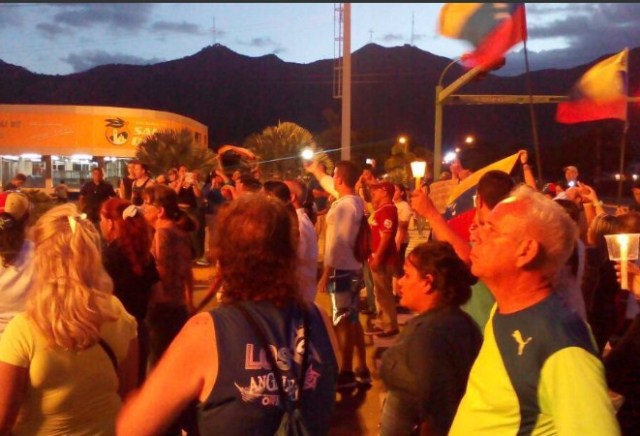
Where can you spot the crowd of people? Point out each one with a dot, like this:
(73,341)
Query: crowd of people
(518,323)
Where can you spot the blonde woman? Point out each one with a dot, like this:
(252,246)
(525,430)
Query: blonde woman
(66,362)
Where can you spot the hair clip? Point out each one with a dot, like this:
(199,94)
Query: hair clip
(73,221)
(130,211)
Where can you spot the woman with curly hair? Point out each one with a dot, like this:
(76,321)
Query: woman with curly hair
(227,359)
(426,371)
(128,260)
(68,360)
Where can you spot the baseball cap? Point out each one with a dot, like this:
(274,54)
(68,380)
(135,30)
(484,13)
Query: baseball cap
(15,204)
(387,186)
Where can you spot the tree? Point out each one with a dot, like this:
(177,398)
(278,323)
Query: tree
(398,165)
(169,148)
(278,149)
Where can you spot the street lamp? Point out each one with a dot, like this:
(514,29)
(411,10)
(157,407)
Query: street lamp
(469,139)
(442,94)
(402,139)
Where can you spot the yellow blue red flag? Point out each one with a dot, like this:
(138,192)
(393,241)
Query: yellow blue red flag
(493,28)
(601,92)
(461,208)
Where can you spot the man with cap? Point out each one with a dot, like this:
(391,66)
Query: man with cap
(384,258)
(16,255)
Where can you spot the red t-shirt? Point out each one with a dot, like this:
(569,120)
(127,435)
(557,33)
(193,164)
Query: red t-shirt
(385,220)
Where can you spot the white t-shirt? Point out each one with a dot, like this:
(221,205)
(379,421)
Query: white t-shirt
(404,215)
(343,221)
(16,281)
(307,256)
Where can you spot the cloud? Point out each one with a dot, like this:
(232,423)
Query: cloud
(119,16)
(173,27)
(391,37)
(259,42)
(584,29)
(89,59)
(51,30)
(10,15)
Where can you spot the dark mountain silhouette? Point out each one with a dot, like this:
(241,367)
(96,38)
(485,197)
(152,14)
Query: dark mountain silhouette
(392,94)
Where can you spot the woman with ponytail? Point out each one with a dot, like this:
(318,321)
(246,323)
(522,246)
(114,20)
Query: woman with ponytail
(128,260)
(68,360)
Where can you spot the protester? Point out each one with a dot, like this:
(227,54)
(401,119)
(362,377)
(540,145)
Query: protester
(538,369)
(189,194)
(16,255)
(342,273)
(16,183)
(171,249)
(492,187)
(61,192)
(219,359)
(426,370)
(128,260)
(307,242)
(93,194)
(143,179)
(66,362)
(384,259)
(126,182)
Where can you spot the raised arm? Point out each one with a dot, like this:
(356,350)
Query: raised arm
(423,205)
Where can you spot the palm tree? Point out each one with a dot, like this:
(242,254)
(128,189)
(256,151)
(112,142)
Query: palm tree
(169,148)
(398,165)
(278,149)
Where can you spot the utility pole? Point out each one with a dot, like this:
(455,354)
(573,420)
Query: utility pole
(214,30)
(413,23)
(342,72)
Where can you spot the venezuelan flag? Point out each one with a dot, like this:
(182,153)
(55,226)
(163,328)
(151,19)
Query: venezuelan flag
(601,93)
(461,208)
(493,28)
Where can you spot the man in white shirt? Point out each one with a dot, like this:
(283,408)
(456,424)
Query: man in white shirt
(342,273)
(307,244)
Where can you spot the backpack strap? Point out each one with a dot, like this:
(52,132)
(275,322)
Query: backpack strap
(272,361)
(112,356)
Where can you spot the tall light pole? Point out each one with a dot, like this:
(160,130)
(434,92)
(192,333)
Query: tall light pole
(346,86)
(441,96)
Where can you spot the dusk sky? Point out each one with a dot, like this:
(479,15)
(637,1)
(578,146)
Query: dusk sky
(59,38)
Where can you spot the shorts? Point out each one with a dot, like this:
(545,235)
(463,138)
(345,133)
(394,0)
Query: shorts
(344,287)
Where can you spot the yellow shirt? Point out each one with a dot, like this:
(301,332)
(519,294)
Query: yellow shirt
(68,392)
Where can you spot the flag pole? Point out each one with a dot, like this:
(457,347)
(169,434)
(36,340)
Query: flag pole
(623,143)
(623,140)
(532,113)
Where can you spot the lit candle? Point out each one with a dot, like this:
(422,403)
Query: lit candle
(623,241)
(418,168)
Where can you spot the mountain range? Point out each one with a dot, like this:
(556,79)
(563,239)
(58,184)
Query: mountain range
(393,92)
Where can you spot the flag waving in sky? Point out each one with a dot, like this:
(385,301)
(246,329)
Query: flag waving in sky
(493,28)
(600,93)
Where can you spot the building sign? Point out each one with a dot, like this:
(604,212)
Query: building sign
(93,130)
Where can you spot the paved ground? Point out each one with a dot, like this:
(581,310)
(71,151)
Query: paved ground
(357,412)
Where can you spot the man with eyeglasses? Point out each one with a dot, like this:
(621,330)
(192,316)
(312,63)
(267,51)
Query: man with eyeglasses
(538,371)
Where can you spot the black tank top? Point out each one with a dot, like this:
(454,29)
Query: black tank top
(136,193)
(244,400)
